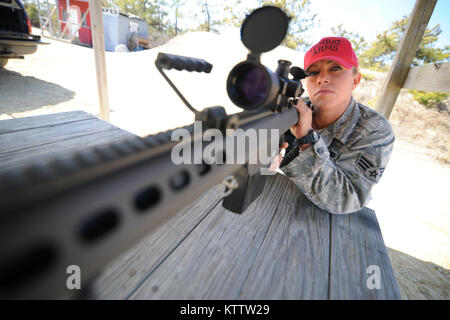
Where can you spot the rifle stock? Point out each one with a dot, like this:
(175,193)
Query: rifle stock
(53,217)
(90,207)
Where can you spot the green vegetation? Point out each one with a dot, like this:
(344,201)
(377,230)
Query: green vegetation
(379,54)
(32,12)
(302,20)
(163,15)
(371,103)
(367,76)
(429,99)
(155,13)
(163,18)
(359,44)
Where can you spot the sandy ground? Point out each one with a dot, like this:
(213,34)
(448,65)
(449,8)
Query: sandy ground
(413,208)
(412,200)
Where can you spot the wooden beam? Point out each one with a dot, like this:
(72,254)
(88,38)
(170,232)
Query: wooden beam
(39,14)
(98,41)
(49,17)
(409,44)
(67,18)
(44,27)
(59,18)
(430,77)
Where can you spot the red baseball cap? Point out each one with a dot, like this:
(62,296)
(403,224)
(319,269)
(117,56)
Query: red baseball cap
(338,49)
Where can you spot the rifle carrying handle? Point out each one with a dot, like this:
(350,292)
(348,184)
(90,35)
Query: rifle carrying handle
(171,61)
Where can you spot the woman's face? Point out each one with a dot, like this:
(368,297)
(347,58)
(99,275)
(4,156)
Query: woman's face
(330,85)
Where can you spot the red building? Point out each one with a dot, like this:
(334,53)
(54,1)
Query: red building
(119,27)
(71,13)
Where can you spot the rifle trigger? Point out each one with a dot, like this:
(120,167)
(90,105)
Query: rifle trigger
(229,185)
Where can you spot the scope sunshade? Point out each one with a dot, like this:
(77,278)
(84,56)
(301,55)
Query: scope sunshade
(264,29)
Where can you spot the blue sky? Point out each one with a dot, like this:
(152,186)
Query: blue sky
(366,17)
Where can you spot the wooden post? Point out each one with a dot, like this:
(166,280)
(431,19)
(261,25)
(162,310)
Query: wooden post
(39,14)
(67,18)
(44,27)
(409,44)
(49,17)
(59,18)
(98,40)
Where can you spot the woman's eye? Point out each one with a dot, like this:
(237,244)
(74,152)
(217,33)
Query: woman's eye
(313,73)
(336,68)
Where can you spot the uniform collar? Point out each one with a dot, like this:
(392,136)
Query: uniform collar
(342,128)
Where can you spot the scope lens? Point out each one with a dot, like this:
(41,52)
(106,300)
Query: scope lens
(253,85)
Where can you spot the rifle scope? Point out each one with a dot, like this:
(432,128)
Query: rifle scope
(250,84)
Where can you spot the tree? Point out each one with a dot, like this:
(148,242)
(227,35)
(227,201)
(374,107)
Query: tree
(359,44)
(155,13)
(32,12)
(108,3)
(209,12)
(302,20)
(234,14)
(382,51)
(177,4)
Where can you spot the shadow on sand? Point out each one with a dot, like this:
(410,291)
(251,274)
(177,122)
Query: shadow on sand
(20,93)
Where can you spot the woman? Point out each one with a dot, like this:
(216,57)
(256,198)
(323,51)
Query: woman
(343,146)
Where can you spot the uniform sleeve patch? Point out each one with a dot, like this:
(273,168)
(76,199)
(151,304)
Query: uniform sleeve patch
(370,170)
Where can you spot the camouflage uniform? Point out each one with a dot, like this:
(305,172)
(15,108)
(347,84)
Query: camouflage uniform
(339,170)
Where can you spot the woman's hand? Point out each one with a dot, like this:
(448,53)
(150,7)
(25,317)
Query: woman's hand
(278,158)
(304,124)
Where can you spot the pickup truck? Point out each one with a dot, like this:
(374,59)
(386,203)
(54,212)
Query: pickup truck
(16,39)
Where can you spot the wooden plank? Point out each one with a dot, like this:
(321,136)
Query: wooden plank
(44,27)
(409,44)
(49,17)
(45,120)
(60,148)
(25,139)
(38,138)
(293,262)
(214,260)
(121,277)
(144,42)
(358,254)
(67,19)
(39,15)
(430,77)
(98,41)
(59,20)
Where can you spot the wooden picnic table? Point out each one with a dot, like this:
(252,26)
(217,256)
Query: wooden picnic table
(282,247)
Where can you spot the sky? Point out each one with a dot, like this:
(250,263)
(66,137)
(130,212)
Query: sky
(369,17)
(366,17)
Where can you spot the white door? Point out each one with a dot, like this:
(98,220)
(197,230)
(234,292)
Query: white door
(74,20)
